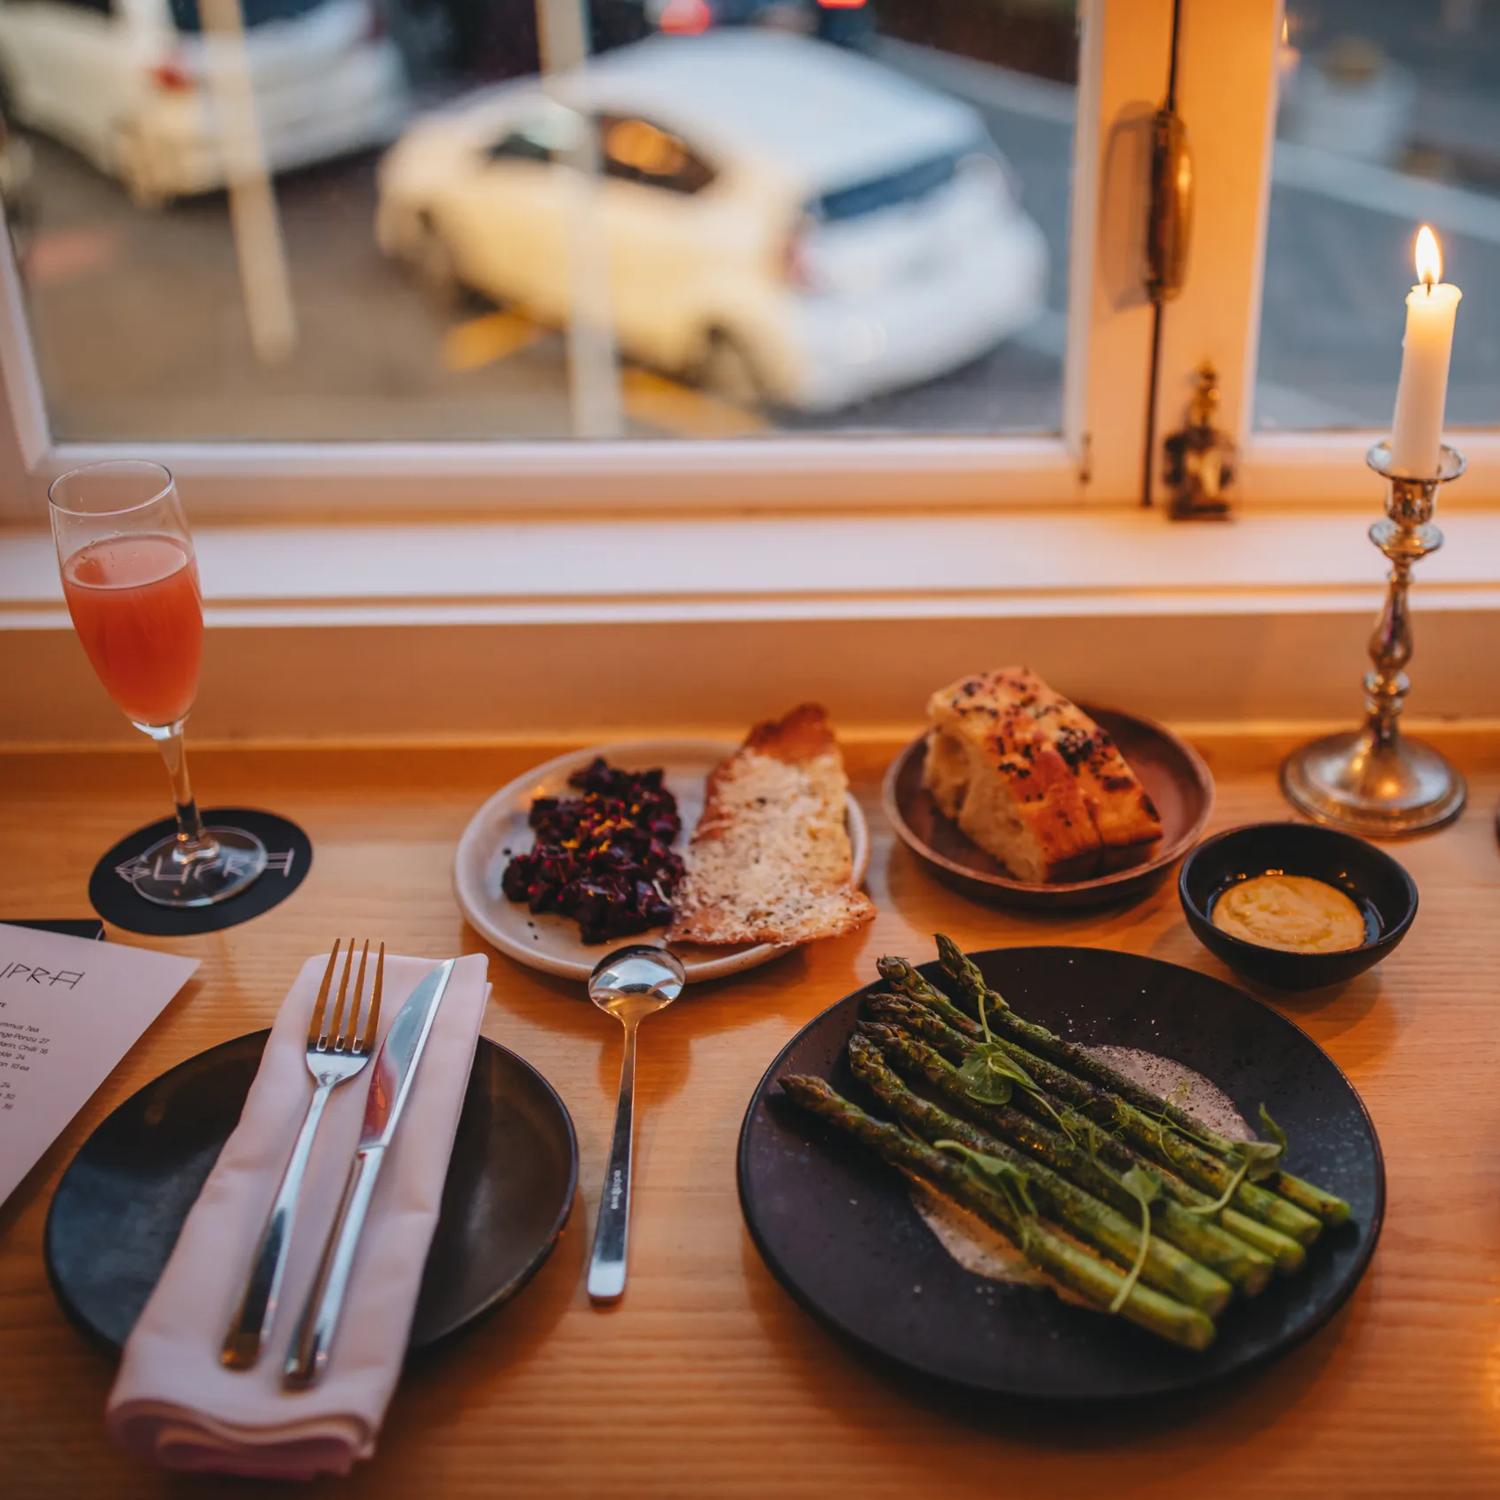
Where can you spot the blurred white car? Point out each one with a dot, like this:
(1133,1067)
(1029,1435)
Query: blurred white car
(129,83)
(783,220)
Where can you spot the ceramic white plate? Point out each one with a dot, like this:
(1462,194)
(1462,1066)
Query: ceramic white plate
(550,942)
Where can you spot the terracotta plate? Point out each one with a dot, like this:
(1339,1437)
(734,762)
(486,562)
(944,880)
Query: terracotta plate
(1172,772)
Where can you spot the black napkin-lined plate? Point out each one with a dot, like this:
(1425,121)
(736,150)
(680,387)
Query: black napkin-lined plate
(120,1205)
(836,1226)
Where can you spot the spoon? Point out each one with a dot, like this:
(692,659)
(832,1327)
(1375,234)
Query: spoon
(628,984)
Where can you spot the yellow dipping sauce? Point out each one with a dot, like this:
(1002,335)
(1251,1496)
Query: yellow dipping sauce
(1292,912)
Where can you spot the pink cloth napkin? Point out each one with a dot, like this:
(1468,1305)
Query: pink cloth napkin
(172,1401)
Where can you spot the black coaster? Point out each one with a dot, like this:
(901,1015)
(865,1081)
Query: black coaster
(115,899)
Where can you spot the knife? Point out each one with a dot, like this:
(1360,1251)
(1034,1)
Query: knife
(394,1068)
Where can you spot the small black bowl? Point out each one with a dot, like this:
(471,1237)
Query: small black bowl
(1377,884)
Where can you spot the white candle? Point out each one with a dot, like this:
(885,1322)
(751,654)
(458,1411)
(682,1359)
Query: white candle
(1431,307)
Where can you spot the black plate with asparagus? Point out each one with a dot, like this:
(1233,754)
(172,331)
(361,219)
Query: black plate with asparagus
(1185,1247)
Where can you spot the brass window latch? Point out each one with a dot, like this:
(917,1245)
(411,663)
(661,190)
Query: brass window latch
(1201,459)
(1169,227)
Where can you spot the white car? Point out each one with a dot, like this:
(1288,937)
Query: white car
(784,220)
(130,84)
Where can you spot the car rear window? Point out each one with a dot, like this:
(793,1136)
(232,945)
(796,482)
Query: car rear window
(905,186)
(256,12)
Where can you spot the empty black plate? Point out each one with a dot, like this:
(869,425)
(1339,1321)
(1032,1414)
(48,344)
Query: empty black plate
(118,1209)
(837,1228)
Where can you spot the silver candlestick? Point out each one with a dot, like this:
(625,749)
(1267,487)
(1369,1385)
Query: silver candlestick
(1374,780)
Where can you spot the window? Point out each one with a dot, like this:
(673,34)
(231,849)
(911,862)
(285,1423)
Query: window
(880,239)
(1376,119)
(888,249)
(1388,119)
(186,19)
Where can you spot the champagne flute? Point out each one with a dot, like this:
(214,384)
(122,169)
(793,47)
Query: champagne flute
(131,582)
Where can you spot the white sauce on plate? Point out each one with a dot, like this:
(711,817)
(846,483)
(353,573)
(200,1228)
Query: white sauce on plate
(983,1250)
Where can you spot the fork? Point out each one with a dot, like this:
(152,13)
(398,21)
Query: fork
(336,1052)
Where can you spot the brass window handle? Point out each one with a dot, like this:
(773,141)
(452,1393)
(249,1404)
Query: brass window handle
(1169,228)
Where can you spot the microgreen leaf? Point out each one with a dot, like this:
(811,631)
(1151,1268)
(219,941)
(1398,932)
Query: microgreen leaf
(1223,1200)
(1013,1184)
(1143,1184)
(1084,1135)
(1249,1159)
(1260,1158)
(984,1081)
(1166,1128)
(991,1075)
(1273,1130)
(1145,1187)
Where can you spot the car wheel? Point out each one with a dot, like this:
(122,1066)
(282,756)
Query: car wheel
(728,371)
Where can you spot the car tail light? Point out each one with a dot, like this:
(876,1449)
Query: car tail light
(171,77)
(686,17)
(841,4)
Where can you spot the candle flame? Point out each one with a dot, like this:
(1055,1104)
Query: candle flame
(1429,257)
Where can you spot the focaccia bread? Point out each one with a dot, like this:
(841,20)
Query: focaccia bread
(1031,778)
(770,860)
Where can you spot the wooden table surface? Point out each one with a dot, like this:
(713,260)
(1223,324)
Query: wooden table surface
(707,1380)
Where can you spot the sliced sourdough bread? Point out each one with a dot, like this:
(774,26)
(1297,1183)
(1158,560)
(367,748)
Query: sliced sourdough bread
(1031,778)
(770,860)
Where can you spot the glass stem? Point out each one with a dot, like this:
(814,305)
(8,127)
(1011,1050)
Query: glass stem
(194,842)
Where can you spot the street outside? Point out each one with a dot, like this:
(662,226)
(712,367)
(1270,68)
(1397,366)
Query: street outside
(140,329)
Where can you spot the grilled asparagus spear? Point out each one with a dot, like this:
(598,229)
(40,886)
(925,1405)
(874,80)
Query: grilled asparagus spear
(1163,1266)
(1149,1136)
(906,980)
(1091,1278)
(910,1019)
(1326,1206)
(1238,1261)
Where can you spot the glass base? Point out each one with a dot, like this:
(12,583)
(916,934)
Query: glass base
(161,877)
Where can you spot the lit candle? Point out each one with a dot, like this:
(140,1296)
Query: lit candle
(1431,306)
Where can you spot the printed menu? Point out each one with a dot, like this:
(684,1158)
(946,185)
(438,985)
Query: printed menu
(70,1009)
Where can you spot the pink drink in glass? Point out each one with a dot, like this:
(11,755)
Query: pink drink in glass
(137,609)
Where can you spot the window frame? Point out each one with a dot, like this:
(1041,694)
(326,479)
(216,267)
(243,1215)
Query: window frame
(1095,458)
(1232,177)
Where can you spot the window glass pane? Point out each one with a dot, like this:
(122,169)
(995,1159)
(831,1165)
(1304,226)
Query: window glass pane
(1389,119)
(737,217)
(186,18)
